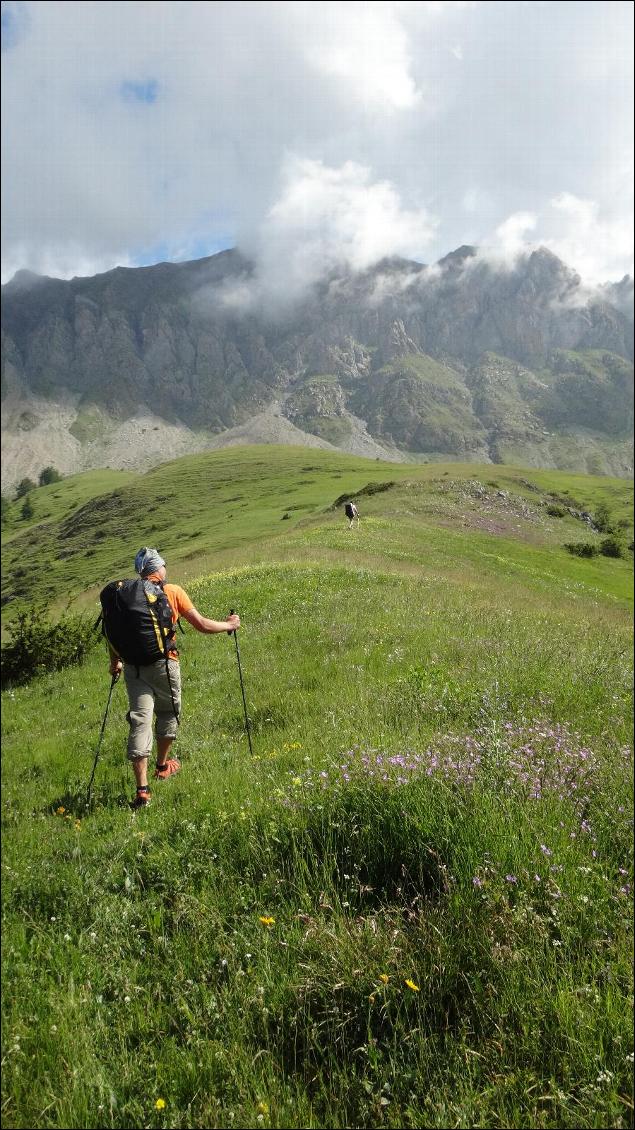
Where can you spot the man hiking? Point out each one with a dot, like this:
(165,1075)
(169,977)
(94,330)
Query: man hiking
(155,687)
(352,513)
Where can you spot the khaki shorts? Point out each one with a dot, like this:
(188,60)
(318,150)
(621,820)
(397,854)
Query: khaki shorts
(148,695)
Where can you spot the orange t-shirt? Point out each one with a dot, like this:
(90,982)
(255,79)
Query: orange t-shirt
(179,603)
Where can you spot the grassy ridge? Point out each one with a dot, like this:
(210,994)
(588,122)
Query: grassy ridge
(412,905)
(228,506)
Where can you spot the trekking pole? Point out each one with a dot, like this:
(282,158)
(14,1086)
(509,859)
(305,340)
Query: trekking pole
(103,727)
(242,686)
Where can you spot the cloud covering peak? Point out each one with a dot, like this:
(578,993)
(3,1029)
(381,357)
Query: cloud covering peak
(318,134)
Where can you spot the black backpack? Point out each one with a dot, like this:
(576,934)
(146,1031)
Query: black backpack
(137,620)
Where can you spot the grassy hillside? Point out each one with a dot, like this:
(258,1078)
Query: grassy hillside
(410,904)
(236,505)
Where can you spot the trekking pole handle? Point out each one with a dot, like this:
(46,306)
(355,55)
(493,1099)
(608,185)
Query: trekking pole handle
(232,632)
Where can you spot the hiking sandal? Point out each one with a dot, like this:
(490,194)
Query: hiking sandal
(167,770)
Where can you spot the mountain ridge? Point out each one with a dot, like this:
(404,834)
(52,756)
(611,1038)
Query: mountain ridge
(136,365)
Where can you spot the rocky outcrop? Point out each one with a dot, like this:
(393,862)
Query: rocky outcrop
(465,358)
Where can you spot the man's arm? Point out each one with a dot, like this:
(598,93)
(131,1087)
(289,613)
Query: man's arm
(202,624)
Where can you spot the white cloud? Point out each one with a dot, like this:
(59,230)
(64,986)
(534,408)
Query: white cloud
(365,47)
(149,128)
(65,261)
(596,244)
(328,219)
(592,241)
(510,238)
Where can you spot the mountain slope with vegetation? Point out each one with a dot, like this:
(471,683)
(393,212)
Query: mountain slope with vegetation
(130,367)
(223,506)
(409,902)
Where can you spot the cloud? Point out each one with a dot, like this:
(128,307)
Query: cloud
(510,238)
(139,131)
(595,243)
(328,219)
(589,238)
(366,48)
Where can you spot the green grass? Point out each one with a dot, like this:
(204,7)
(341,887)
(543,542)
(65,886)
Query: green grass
(488,670)
(54,502)
(217,508)
(426,368)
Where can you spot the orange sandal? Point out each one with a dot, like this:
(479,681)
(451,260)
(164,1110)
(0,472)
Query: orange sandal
(167,770)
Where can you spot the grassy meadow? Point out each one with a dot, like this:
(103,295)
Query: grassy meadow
(410,905)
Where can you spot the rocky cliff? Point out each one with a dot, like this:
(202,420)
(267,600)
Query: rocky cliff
(464,360)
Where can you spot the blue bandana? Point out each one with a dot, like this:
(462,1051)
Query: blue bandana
(148,561)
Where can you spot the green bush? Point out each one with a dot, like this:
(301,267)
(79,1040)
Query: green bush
(49,475)
(556,511)
(27,510)
(37,645)
(612,546)
(23,487)
(602,518)
(582,548)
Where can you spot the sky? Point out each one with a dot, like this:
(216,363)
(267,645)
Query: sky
(315,135)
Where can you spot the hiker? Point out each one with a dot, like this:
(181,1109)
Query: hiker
(155,688)
(352,513)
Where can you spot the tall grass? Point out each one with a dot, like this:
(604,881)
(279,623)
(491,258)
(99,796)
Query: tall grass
(410,907)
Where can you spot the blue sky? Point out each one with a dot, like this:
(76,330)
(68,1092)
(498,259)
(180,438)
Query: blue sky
(312,134)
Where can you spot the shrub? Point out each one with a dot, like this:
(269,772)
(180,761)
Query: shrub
(49,475)
(38,645)
(583,548)
(23,487)
(6,509)
(602,518)
(27,510)
(556,511)
(612,546)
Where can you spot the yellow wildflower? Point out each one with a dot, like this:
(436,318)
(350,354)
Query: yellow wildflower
(61,810)
(384,977)
(263,1108)
(267,921)
(160,1104)
(78,824)
(411,985)
(296,781)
